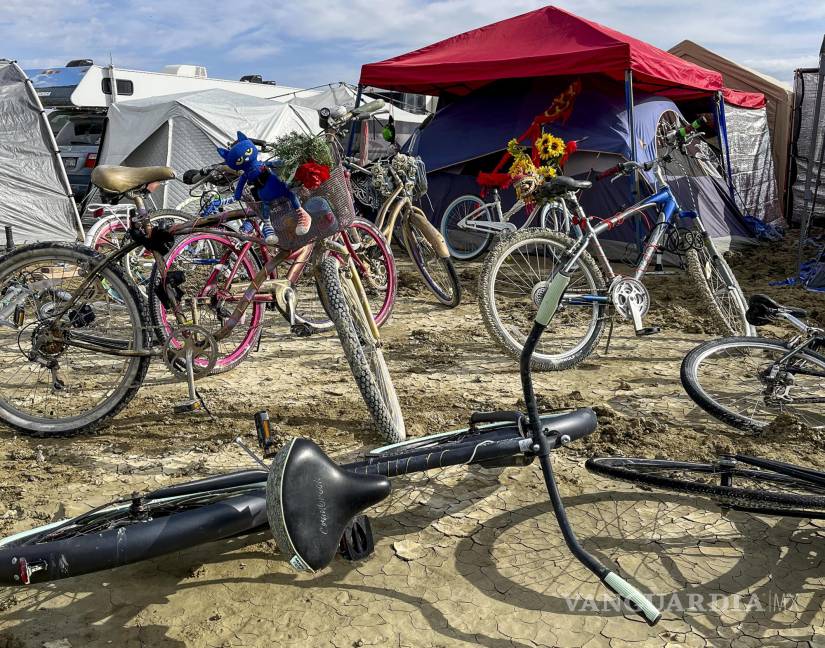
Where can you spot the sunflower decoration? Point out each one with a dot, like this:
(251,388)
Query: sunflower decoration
(550,148)
(522,165)
(547,171)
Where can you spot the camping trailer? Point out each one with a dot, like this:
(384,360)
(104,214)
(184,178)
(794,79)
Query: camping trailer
(97,86)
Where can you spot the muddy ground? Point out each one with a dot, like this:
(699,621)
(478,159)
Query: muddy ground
(463,557)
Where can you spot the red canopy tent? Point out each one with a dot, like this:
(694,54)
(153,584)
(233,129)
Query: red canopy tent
(546,42)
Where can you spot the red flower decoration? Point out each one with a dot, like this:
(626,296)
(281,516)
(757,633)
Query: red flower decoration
(312,174)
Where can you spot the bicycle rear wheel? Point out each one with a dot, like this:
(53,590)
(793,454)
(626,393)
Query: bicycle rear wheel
(512,284)
(65,373)
(465,244)
(363,355)
(376,267)
(133,529)
(739,482)
(215,271)
(747,382)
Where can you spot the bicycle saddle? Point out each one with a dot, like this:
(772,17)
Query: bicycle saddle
(120,179)
(569,184)
(310,500)
(762,310)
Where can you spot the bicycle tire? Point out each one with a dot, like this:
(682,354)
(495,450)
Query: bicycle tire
(128,297)
(727,311)
(658,473)
(690,377)
(447,291)
(377,256)
(368,368)
(501,333)
(478,242)
(119,533)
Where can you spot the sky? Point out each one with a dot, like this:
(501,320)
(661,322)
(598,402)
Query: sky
(311,42)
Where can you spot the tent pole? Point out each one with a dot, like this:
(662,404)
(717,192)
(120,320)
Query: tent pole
(61,169)
(631,125)
(722,128)
(352,126)
(806,217)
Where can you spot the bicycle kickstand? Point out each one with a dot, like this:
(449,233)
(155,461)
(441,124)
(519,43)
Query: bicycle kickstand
(195,401)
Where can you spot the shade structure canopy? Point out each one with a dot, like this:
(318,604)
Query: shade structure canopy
(546,42)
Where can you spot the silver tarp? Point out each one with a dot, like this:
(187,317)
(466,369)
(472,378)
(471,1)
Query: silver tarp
(804,101)
(35,198)
(754,174)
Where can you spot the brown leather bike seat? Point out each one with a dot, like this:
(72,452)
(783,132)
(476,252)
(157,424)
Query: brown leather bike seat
(120,179)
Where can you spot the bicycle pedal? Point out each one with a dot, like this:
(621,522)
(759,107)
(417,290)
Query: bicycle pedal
(648,330)
(188,406)
(301,330)
(357,541)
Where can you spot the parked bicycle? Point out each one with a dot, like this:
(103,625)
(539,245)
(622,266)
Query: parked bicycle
(77,347)
(526,264)
(398,181)
(470,222)
(313,506)
(747,382)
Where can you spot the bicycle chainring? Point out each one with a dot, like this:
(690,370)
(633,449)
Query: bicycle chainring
(625,291)
(193,339)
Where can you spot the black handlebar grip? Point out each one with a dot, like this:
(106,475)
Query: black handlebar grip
(192,176)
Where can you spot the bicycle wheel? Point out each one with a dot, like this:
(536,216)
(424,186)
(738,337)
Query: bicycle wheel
(437,271)
(111,234)
(50,385)
(376,268)
(738,482)
(363,355)
(215,271)
(512,284)
(465,244)
(746,382)
(137,528)
(717,287)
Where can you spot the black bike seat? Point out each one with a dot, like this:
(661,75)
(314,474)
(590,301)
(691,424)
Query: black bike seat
(762,310)
(310,501)
(570,183)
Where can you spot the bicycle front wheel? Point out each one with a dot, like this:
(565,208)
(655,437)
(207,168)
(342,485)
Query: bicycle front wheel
(512,284)
(466,243)
(437,271)
(738,482)
(65,373)
(717,287)
(363,355)
(137,528)
(747,382)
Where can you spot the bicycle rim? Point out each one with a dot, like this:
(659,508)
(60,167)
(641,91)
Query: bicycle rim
(376,268)
(742,382)
(465,243)
(49,384)
(736,484)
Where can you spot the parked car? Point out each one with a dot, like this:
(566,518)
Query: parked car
(78,135)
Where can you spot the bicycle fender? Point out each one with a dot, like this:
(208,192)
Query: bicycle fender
(433,236)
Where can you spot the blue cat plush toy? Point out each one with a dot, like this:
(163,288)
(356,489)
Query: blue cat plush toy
(265,185)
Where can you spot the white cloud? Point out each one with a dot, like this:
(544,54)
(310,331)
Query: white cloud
(315,41)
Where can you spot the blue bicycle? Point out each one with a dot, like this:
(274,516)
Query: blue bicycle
(525,265)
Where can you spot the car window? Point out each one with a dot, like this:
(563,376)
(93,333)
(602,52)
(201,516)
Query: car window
(83,132)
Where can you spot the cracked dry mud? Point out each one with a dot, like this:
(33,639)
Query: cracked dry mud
(465,557)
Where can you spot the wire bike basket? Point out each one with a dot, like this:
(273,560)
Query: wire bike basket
(329,205)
